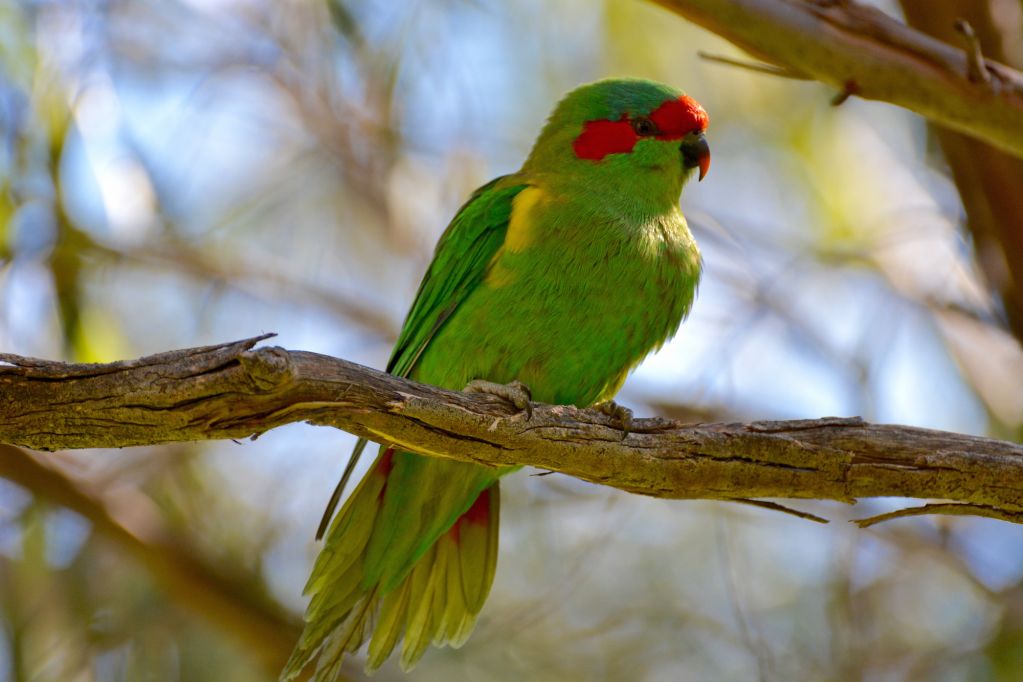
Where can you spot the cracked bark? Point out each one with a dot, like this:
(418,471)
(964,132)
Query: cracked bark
(236,390)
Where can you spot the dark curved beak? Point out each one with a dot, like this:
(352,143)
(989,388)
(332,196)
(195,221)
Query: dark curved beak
(696,152)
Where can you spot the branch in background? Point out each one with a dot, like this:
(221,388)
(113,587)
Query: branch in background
(860,50)
(233,391)
(188,581)
(259,279)
(988,180)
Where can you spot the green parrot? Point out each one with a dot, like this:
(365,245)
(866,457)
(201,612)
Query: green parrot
(556,281)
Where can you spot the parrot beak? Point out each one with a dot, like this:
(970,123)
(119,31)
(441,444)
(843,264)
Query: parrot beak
(696,153)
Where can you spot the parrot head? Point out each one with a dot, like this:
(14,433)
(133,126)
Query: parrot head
(624,134)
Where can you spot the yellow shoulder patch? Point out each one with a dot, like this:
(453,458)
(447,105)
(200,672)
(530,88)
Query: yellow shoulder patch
(499,275)
(518,238)
(520,225)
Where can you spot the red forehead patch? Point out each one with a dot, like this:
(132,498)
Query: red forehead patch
(674,119)
(677,118)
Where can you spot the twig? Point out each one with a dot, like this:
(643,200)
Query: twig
(849,88)
(951,508)
(976,69)
(774,506)
(758,67)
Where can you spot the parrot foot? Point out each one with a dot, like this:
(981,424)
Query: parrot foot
(516,393)
(620,416)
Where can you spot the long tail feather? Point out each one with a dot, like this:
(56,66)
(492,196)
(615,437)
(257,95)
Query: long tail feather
(392,614)
(339,489)
(436,599)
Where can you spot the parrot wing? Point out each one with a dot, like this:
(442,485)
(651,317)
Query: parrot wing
(461,261)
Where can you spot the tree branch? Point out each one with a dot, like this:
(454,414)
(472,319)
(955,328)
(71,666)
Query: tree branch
(987,179)
(210,592)
(860,50)
(235,391)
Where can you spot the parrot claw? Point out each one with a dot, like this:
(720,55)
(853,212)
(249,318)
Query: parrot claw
(620,416)
(516,393)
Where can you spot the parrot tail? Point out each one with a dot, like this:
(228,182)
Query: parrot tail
(436,601)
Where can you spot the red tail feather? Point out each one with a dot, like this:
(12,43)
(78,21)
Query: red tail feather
(383,468)
(478,514)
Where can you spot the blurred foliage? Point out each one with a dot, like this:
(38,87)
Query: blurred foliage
(183,172)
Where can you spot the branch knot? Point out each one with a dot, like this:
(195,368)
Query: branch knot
(267,368)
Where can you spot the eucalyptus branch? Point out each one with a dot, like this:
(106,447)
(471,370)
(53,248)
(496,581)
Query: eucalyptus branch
(861,51)
(235,390)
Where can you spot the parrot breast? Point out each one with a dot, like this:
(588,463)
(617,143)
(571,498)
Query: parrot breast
(572,302)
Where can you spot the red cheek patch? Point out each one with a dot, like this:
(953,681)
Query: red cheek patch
(603,137)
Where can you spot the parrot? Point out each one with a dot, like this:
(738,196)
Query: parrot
(550,284)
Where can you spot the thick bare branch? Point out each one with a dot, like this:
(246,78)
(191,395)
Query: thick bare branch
(861,51)
(234,391)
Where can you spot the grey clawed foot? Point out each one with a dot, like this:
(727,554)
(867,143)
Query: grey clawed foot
(620,416)
(516,393)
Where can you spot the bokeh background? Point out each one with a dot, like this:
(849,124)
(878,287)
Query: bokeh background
(182,172)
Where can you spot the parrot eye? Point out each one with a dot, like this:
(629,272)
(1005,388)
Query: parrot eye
(644,127)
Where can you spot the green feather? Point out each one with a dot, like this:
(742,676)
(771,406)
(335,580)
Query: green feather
(461,260)
(390,625)
(417,629)
(478,556)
